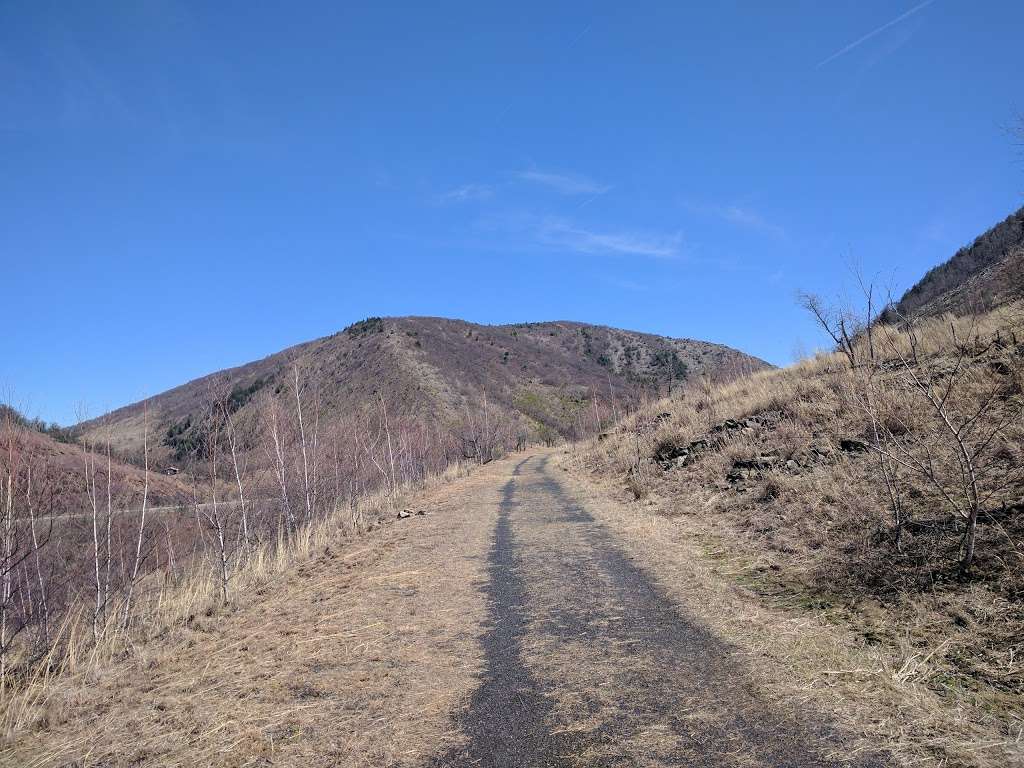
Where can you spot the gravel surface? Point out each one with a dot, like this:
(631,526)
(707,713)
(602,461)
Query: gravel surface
(588,663)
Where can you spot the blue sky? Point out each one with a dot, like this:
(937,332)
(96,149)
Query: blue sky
(186,186)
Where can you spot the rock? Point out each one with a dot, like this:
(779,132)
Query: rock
(745,469)
(669,454)
(667,450)
(728,424)
(819,454)
(736,476)
(677,460)
(792,466)
(851,445)
(764,461)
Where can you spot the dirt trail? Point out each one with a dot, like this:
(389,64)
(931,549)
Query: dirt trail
(507,628)
(590,664)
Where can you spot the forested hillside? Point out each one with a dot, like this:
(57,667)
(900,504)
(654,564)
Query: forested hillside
(985,274)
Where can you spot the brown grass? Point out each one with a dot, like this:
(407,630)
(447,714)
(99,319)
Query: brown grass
(171,616)
(796,563)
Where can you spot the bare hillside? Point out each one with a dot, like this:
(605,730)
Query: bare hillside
(549,379)
(62,469)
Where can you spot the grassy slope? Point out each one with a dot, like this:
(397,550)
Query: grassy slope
(809,533)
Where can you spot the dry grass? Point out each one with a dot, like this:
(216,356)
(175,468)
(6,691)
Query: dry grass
(796,564)
(168,609)
(355,654)
(812,659)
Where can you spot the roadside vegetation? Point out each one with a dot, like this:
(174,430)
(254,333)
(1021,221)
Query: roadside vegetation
(880,489)
(91,569)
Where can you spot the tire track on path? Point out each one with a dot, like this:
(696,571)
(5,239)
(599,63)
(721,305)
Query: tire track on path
(589,663)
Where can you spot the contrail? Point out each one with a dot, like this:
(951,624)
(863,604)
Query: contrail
(869,35)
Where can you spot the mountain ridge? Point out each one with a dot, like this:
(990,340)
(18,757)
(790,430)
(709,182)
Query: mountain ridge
(980,276)
(433,367)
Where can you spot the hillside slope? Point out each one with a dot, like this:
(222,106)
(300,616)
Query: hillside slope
(838,494)
(61,471)
(544,377)
(981,276)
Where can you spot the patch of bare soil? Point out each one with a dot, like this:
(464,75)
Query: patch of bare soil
(356,658)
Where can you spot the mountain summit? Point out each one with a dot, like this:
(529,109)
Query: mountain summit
(547,378)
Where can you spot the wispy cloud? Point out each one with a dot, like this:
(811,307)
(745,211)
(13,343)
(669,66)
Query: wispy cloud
(562,234)
(467,192)
(877,31)
(739,216)
(564,183)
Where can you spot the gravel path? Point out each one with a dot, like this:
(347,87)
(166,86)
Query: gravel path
(588,663)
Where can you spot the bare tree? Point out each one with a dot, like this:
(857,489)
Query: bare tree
(137,564)
(950,431)
(939,418)
(835,322)
(9,545)
(274,449)
(215,513)
(38,542)
(297,390)
(387,435)
(238,466)
(108,554)
(89,460)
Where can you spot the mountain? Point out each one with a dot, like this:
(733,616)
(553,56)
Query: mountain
(981,276)
(543,377)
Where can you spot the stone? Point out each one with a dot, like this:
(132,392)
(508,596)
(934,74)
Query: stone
(728,424)
(736,476)
(852,445)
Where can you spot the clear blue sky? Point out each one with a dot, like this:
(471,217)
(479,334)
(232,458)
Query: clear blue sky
(186,186)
